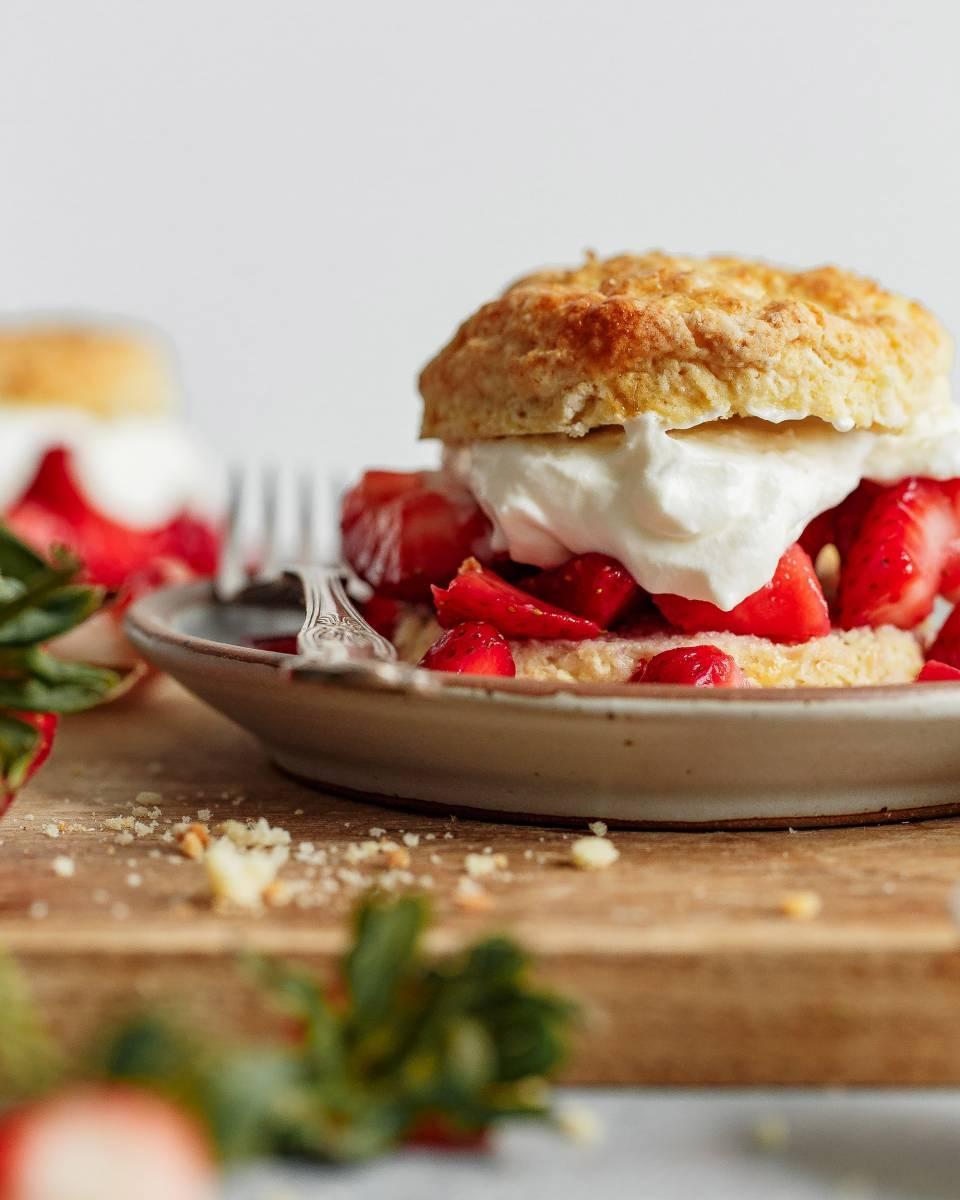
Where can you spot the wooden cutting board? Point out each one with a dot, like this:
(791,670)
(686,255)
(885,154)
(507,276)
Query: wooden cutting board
(687,966)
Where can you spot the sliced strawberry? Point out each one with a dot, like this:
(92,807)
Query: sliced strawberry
(376,488)
(891,574)
(695,666)
(946,647)
(950,575)
(136,1145)
(382,613)
(594,586)
(938,672)
(790,608)
(819,533)
(46,727)
(473,648)
(477,594)
(402,534)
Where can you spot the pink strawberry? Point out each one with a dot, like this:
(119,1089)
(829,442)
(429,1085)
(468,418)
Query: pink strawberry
(473,648)
(790,608)
(938,672)
(695,666)
(111,1142)
(891,574)
(594,586)
(401,533)
(477,594)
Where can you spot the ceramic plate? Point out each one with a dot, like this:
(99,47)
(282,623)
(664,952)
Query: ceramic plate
(656,756)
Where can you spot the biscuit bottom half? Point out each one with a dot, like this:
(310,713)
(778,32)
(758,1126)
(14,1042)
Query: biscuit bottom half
(845,658)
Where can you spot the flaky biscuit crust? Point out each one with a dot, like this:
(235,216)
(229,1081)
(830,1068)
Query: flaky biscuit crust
(106,373)
(566,351)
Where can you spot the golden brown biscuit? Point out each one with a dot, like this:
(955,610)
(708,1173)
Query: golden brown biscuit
(106,373)
(844,658)
(566,351)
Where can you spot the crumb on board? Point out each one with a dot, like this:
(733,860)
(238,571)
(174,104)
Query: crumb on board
(64,866)
(801,905)
(593,853)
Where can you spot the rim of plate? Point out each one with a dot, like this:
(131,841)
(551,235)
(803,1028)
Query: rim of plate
(151,618)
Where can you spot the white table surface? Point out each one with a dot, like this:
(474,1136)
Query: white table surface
(675,1145)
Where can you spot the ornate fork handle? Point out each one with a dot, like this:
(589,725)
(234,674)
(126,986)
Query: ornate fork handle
(332,627)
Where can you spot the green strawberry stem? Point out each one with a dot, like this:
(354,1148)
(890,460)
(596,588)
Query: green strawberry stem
(39,600)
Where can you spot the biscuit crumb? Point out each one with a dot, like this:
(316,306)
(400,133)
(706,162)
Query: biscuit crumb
(772,1133)
(593,853)
(598,827)
(64,866)
(38,910)
(472,896)
(580,1125)
(241,877)
(801,906)
(51,830)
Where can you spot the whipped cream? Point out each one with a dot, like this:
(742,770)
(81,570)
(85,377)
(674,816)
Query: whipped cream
(704,512)
(141,471)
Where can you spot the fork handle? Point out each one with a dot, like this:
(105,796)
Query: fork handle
(331,623)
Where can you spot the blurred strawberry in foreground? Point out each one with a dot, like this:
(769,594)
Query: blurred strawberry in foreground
(938,672)
(104,1142)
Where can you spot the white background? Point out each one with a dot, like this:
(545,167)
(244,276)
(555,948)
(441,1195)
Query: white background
(307,196)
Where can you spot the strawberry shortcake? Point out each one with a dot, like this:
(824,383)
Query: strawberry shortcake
(664,469)
(94,456)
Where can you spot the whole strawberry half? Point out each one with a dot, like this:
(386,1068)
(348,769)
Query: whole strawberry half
(594,586)
(892,572)
(477,594)
(694,666)
(472,648)
(938,672)
(402,532)
(103,1143)
(790,608)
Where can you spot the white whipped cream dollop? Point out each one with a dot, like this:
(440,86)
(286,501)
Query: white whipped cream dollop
(704,512)
(141,471)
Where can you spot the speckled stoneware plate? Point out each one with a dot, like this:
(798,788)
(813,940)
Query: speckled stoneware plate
(655,756)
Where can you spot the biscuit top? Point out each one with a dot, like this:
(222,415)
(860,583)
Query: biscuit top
(693,340)
(106,373)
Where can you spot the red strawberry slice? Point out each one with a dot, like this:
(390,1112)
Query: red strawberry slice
(695,666)
(790,608)
(402,535)
(819,533)
(376,488)
(114,1143)
(46,726)
(594,586)
(473,648)
(946,647)
(891,574)
(938,672)
(477,594)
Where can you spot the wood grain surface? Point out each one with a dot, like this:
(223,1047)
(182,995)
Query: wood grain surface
(688,967)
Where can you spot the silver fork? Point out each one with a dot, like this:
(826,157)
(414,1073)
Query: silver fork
(333,629)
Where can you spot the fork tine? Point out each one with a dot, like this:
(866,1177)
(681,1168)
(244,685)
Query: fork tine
(305,516)
(270,512)
(231,571)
